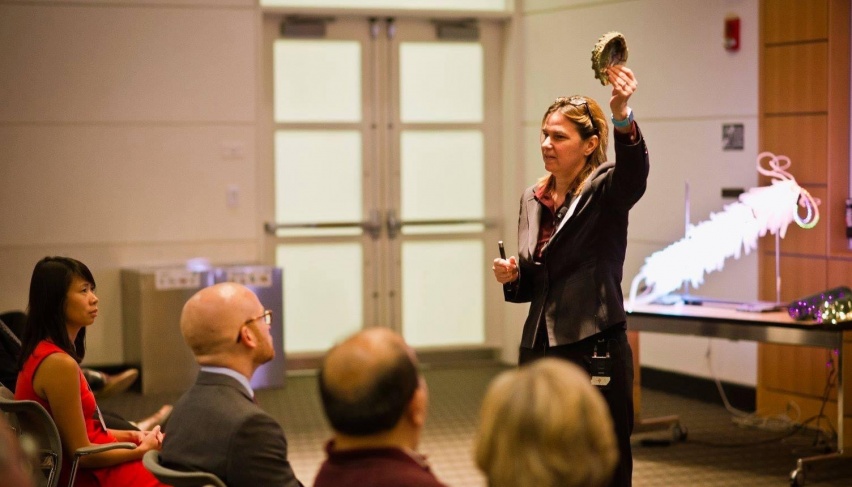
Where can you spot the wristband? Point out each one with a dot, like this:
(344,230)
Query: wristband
(623,123)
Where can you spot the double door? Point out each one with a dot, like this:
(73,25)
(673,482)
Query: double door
(385,150)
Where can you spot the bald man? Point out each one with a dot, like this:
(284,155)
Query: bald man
(376,402)
(216,426)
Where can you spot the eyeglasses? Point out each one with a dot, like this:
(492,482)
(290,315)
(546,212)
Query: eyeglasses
(266,316)
(579,101)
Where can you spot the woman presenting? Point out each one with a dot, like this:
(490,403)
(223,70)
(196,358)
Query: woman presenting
(572,237)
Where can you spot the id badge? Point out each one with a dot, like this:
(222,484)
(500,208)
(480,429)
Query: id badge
(601,371)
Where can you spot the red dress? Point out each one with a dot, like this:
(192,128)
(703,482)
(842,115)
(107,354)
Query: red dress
(128,474)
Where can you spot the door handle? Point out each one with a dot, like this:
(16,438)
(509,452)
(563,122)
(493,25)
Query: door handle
(394,224)
(373,226)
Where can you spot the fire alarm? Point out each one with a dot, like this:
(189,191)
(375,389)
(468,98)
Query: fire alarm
(732,34)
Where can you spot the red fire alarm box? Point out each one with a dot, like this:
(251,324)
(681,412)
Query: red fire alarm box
(732,34)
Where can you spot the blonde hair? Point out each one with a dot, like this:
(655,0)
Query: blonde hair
(588,122)
(545,425)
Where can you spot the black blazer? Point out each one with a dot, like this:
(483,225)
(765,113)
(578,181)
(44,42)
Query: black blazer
(576,288)
(216,427)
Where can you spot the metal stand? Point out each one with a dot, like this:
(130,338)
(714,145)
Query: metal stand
(807,465)
(777,268)
(671,423)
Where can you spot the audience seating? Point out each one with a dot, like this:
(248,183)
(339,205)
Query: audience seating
(30,420)
(178,478)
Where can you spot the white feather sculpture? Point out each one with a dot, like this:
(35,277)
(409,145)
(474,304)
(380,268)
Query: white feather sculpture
(728,233)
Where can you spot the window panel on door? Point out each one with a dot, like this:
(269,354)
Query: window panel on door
(308,71)
(442,178)
(323,287)
(443,293)
(441,82)
(318,179)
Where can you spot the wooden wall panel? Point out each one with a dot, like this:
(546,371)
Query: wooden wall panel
(805,71)
(794,368)
(847,373)
(834,209)
(805,241)
(840,274)
(794,78)
(838,124)
(800,276)
(794,20)
(771,403)
(803,139)
(847,389)
(776,395)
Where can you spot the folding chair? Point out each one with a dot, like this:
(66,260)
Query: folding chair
(30,420)
(178,478)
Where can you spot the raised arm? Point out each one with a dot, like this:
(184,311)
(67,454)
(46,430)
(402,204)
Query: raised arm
(624,84)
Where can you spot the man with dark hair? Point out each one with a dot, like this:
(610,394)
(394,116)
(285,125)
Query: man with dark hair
(376,402)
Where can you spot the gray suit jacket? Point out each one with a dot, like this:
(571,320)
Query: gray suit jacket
(575,290)
(216,427)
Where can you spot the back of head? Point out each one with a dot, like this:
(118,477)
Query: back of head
(545,425)
(52,276)
(367,382)
(212,319)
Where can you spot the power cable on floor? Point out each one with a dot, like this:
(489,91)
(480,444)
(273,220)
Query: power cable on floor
(780,423)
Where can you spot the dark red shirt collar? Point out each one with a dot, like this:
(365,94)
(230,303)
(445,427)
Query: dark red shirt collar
(547,222)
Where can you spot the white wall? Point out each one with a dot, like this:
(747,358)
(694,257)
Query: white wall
(114,121)
(688,87)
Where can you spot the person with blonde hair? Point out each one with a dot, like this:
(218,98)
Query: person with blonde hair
(545,425)
(572,242)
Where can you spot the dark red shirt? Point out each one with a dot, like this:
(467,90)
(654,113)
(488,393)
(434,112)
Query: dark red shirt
(547,224)
(374,467)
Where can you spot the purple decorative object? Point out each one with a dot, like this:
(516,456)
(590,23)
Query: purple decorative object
(829,306)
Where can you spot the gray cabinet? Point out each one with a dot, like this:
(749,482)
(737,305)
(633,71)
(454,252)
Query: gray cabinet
(152,300)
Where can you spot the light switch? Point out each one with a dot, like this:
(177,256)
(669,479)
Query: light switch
(233,196)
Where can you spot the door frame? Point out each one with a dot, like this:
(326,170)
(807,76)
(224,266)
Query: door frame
(492,31)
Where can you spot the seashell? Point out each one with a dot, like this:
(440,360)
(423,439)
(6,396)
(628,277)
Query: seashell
(611,49)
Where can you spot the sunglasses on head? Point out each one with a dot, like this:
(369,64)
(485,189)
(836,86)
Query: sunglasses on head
(579,101)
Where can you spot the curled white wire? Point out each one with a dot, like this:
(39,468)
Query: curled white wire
(777,169)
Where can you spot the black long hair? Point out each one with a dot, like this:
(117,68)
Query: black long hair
(49,285)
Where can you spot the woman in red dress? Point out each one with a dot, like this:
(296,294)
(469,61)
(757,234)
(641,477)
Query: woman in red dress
(62,304)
